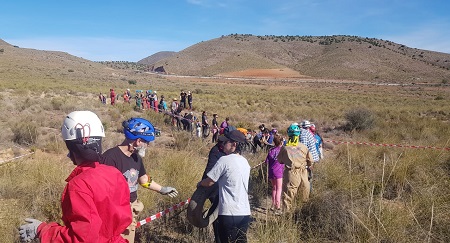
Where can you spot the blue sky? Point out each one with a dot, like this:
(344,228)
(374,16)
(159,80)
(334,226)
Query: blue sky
(112,30)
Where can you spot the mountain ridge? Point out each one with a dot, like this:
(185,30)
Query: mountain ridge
(323,57)
(336,57)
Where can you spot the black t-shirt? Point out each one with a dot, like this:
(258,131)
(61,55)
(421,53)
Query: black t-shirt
(189,117)
(204,120)
(183,97)
(131,167)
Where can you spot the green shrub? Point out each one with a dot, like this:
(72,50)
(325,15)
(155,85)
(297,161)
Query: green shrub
(359,119)
(132,82)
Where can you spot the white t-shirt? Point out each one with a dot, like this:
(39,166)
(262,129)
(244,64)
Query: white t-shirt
(232,173)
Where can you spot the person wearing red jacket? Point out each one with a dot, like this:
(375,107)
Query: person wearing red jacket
(96,200)
(112,94)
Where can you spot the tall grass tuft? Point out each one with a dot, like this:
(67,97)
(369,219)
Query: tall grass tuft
(25,133)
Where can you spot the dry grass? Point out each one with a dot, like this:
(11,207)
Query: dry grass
(361,193)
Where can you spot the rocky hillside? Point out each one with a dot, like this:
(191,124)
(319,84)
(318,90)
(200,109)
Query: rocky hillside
(334,57)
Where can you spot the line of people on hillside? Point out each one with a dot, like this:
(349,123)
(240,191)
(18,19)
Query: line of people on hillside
(148,99)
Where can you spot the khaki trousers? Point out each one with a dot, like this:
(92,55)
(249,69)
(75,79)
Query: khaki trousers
(129,234)
(292,180)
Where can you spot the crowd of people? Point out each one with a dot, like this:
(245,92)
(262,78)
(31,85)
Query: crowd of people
(101,192)
(290,162)
(110,213)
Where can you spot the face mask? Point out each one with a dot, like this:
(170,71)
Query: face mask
(141,151)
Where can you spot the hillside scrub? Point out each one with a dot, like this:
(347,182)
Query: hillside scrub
(360,193)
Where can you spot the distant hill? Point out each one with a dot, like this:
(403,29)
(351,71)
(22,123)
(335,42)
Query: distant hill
(324,57)
(30,64)
(333,57)
(145,64)
(150,60)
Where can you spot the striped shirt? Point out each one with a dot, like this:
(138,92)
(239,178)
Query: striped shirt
(308,139)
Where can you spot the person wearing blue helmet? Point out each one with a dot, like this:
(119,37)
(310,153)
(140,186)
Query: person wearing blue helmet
(127,158)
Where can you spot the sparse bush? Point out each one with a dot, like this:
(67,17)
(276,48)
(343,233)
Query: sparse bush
(70,71)
(57,103)
(359,119)
(25,133)
(132,82)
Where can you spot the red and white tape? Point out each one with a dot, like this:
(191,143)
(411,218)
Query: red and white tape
(17,157)
(387,145)
(162,213)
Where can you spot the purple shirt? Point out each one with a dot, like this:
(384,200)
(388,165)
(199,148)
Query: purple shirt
(224,124)
(275,168)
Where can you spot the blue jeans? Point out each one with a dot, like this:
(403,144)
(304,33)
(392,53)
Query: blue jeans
(233,228)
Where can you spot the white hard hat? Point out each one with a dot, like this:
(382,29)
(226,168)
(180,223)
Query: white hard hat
(81,124)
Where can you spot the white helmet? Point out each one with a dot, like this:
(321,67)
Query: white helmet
(306,124)
(82,124)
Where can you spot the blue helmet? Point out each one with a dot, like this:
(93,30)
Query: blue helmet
(135,128)
(293,130)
